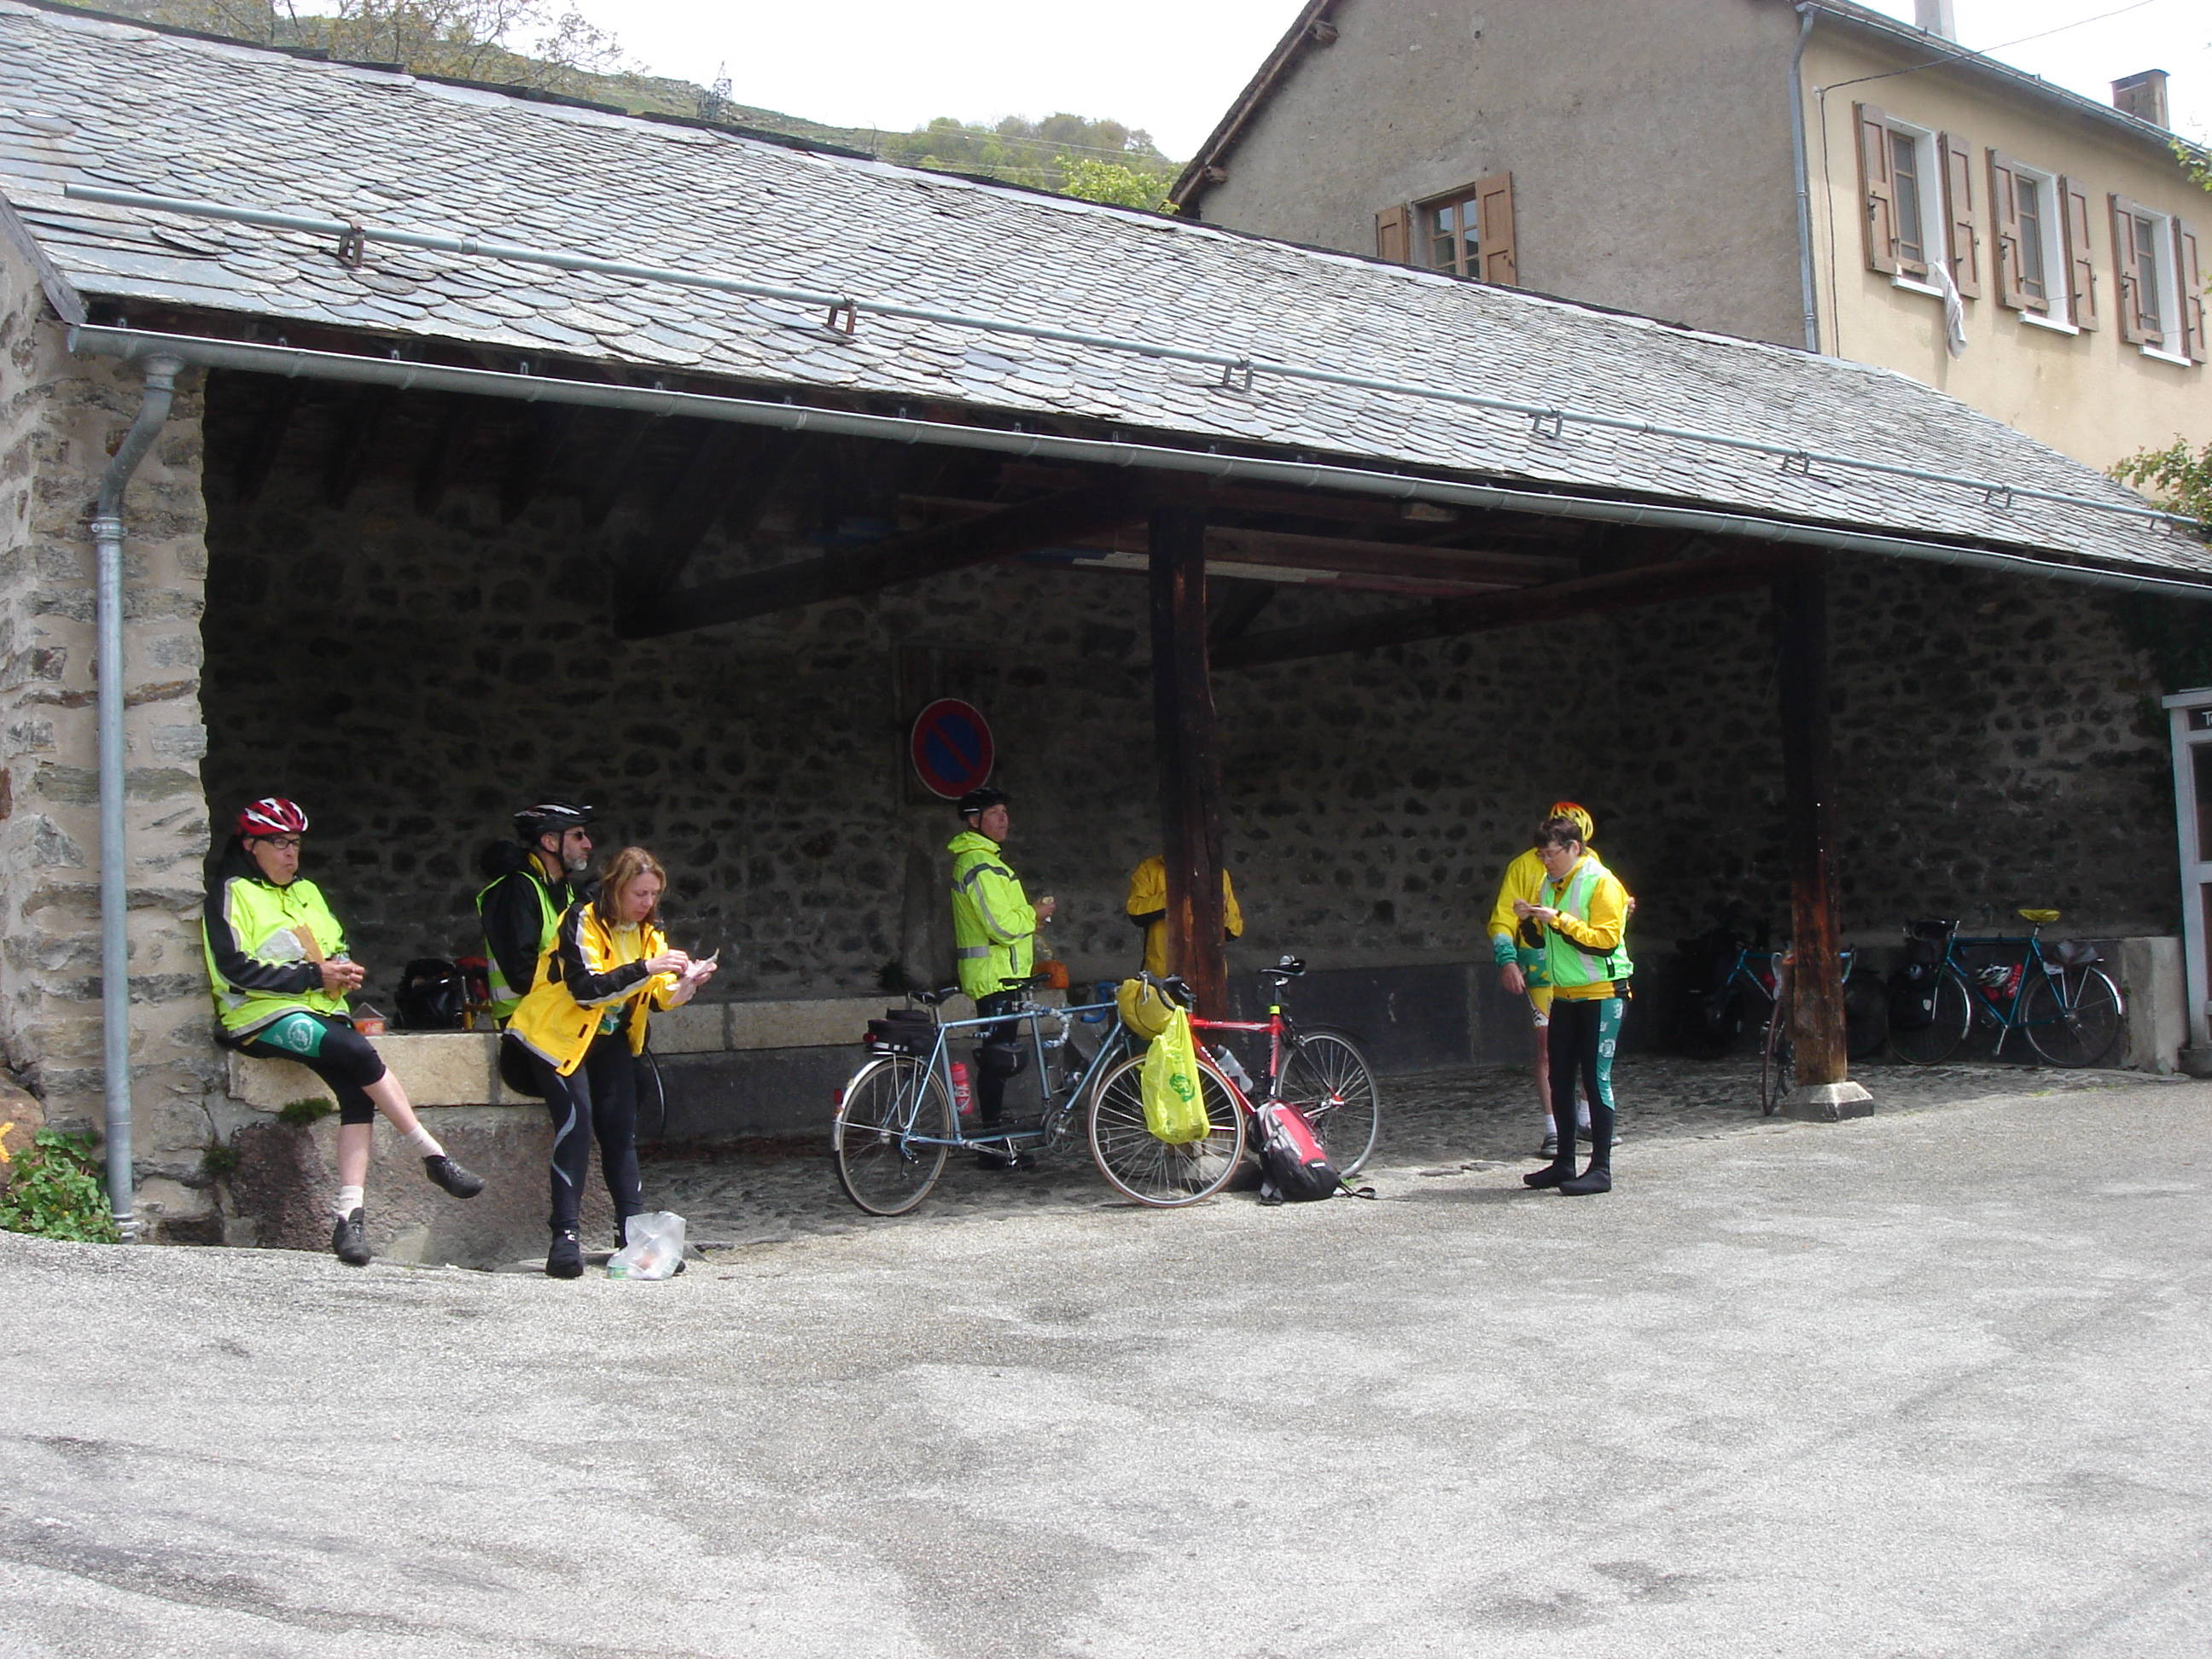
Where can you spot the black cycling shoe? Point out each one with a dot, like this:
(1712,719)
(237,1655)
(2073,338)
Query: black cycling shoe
(1590,1181)
(1550,1176)
(565,1260)
(1004,1160)
(349,1242)
(444,1172)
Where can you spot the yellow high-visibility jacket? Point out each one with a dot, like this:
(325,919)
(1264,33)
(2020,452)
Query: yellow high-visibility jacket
(259,964)
(590,975)
(993,924)
(1523,879)
(1148,906)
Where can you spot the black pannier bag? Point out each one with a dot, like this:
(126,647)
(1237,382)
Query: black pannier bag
(1002,1059)
(432,995)
(1912,984)
(901,1032)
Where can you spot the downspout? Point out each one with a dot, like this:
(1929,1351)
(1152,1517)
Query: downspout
(1807,284)
(161,372)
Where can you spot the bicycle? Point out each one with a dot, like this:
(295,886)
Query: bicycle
(2067,1008)
(896,1122)
(1321,1071)
(1749,988)
(1866,1026)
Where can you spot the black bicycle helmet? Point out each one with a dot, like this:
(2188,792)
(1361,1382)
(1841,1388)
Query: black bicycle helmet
(551,817)
(980,800)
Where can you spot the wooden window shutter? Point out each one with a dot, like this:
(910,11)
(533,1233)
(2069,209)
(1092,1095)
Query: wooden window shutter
(1877,201)
(2129,302)
(1501,257)
(2081,262)
(1394,234)
(2192,307)
(1964,237)
(2004,214)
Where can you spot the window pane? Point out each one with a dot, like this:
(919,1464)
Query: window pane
(2200,763)
(1905,175)
(2028,193)
(2147,261)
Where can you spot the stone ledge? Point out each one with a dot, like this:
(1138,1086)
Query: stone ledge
(461,1069)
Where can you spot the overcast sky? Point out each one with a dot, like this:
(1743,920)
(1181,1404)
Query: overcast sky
(1172,66)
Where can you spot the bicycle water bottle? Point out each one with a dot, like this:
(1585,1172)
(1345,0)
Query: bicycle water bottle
(963,1098)
(1230,1067)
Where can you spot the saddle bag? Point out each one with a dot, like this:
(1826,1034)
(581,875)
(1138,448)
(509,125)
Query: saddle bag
(1912,985)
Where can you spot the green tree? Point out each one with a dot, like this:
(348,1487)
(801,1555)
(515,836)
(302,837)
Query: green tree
(1097,179)
(2178,477)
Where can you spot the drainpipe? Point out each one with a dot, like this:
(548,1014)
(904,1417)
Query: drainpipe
(161,372)
(1805,283)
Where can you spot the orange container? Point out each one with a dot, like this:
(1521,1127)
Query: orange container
(1055,974)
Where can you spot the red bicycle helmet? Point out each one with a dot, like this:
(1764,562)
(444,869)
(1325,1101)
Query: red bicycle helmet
(273,815)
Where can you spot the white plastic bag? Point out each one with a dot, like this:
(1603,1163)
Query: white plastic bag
(652,1247)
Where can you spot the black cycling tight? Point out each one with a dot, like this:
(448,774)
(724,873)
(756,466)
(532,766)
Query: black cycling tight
(1582,1037)
(597,1100)
(332,1050)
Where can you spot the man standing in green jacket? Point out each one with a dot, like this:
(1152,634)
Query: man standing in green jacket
(994,940)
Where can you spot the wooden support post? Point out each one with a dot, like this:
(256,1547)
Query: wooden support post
(1825,1090)
(1190,754)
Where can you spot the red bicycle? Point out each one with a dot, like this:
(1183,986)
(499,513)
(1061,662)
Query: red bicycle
(1320,1071)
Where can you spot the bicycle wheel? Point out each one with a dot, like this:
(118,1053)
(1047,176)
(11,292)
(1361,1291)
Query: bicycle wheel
(889,1139)
(1939,1039)
(1137,1163)
(2072,1016)
(1326,1077)
(1777,1063)
(1866,1015)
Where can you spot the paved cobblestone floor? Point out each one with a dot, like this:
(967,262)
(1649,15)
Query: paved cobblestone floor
(1433,1124)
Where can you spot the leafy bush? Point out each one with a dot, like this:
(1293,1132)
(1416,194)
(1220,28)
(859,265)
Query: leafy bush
(300,1113)
(54,1190)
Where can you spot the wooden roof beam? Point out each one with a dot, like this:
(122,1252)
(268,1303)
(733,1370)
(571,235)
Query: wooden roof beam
(1045,522)
(1581,596)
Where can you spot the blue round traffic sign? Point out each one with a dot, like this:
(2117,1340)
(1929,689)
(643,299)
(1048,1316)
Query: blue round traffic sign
(951,747)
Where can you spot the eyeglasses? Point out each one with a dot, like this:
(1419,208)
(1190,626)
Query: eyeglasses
(283,843)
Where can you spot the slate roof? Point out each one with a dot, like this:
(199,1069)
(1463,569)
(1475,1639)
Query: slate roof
(112,104)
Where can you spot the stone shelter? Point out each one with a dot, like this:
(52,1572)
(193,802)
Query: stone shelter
(411,448)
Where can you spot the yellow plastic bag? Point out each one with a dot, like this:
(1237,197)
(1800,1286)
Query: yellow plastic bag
(1175,1106)
(1143,1010)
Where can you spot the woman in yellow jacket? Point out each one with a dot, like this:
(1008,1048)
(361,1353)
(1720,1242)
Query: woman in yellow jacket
(1582,912)
(582,1027)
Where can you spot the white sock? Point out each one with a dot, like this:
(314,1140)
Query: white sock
(424,1142)
(348,1201)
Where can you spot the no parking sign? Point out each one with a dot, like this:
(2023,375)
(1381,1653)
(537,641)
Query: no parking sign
(951,747)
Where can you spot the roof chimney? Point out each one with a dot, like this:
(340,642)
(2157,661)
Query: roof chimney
(1936,17)
(2143,96)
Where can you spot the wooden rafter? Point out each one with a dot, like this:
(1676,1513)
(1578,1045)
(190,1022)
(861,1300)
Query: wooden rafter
(907,558)
(1548,602)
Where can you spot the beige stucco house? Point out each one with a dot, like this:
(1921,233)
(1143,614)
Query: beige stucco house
(1814,174)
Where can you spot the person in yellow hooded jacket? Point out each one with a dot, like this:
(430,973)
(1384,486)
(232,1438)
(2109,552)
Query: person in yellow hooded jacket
(1581,918)
(1518,951)
(581,1027)
(1147,908)
(278,967)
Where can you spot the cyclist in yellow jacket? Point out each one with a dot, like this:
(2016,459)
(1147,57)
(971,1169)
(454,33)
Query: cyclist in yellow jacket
(994,942)
(1519,953)
(276,962)
(581,1027)
(1582,919)
(1148,908)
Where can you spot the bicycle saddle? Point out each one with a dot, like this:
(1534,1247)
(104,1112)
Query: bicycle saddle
(1283,971)
(2040,918)
(934,998)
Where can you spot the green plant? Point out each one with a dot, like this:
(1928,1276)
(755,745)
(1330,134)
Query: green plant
(300,1113)
(2178,477)
(54,1190)
(218,1161)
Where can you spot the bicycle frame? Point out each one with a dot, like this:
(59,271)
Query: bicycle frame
(939,1064)
(1991,1011)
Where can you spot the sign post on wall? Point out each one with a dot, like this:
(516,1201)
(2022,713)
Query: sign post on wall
(2191,713)
(951,746)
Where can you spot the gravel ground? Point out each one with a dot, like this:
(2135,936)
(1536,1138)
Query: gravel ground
(1433,1123)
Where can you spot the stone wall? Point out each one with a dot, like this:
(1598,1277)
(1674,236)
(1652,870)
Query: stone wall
(59,418)
(411,678)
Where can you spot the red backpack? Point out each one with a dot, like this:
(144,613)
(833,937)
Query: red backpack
(1294,1168)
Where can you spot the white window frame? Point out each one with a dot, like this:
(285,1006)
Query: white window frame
(2057,275)
(1935,230)
(2168,256)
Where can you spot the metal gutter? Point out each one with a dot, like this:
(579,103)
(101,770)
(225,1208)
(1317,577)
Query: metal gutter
(1800,170)
(161,371)
(1547,419)
(297,363)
